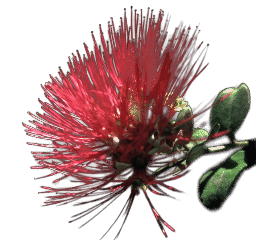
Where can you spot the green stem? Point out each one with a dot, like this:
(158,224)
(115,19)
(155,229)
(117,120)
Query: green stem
(226,147)
(168,166)
(211,150)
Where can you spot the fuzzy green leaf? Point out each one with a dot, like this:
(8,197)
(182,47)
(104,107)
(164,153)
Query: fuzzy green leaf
(216,184)
(231,112)
(196,152)
(199,136)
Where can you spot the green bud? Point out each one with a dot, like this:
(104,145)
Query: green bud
(186,127)
(231,112)
(199,135)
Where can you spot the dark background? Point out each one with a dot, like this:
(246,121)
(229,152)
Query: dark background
(43,36)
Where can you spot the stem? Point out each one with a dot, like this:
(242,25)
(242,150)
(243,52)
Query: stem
(211,150)
(226,147)
(168,166)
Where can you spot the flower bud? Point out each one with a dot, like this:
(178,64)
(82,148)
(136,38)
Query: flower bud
(186,127)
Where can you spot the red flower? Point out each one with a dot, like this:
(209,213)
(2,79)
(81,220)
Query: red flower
(104,102)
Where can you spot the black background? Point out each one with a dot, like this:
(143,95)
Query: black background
(42,37)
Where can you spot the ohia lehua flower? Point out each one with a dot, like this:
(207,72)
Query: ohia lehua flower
(106,115)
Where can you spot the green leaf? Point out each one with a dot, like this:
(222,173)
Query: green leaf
(231,112)
(217,184)
(215,129)
(195,153)
(196,146)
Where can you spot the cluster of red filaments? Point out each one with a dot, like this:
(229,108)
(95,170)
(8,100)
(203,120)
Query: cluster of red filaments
(86,112)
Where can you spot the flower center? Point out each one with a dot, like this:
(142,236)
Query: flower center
(139,162)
